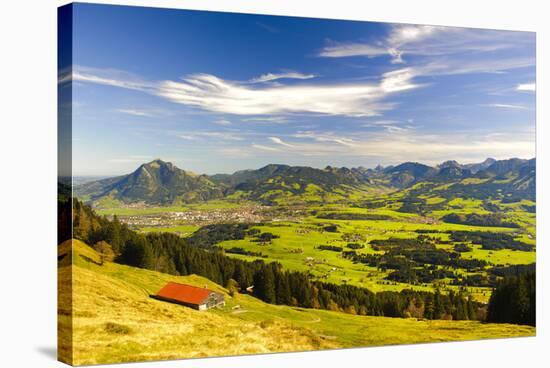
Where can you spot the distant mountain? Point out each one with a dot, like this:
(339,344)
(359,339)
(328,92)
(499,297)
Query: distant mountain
(474,168)
(505,167)
(409,173)
(508,180)
(518,176)
(156,182)
(162,183)
(451,170)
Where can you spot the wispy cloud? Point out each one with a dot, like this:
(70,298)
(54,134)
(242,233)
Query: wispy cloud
(402,145)
(392,126)
(325,137)
(110,77)
(262,147)
(136,112)
(456,66)
(226,136)
(274,76)
(267,27)
(422,40)
(337,50)
(528,87)
(397,42)
(268,119)
(379,123)
(279,141)
(506,106)
(214,94)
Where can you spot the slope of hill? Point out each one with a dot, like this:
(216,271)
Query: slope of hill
(156,182)
(115,320)
(275,182)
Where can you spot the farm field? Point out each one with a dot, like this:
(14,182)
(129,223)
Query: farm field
(296,240)
(115,320)
(117,208)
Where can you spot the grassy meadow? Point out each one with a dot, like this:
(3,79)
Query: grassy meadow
(114,320)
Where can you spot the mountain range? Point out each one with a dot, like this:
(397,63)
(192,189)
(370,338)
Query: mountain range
(162,183)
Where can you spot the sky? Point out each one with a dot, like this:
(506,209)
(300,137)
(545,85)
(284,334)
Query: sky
(219,92)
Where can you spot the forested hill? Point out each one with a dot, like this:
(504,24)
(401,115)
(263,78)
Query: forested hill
(162,183)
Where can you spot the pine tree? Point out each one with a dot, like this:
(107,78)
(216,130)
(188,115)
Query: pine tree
(264,285)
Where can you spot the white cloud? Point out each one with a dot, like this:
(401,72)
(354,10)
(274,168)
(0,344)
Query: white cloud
(274,76)
(450,66)
(279,141)
(226,136)
(264,148)
(325,137)
(397,42)
(376,123)
(392,126)
(268,119)
(109,77)
(395,129)
(352,49)
(135,112)
(214,94)
(403,34)
(506,106)
(529,87)
(430,41)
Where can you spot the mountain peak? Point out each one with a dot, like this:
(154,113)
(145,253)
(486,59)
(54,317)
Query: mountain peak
(449,163)
(158,162)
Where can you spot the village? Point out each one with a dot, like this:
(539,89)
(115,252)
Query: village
(242,214)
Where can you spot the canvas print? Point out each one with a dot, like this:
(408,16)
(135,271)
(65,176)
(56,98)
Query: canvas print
(241,184)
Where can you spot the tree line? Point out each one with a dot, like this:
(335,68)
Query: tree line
(514,300)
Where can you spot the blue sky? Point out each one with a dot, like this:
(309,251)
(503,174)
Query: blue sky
(219,92)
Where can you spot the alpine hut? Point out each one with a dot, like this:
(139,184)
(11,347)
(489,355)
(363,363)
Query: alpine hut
(190,296)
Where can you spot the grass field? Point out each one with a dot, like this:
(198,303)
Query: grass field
(114,320)
(297,242)
(182,230)
(115,208)
(299,236)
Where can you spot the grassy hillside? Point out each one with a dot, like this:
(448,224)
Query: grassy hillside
(115,320)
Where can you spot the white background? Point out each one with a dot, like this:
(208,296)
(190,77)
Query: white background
(28,180)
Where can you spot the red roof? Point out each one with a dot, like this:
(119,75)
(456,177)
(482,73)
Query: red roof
(184,293)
